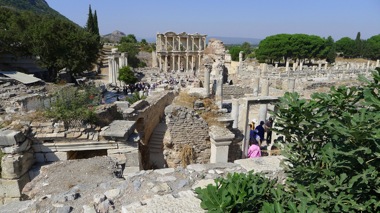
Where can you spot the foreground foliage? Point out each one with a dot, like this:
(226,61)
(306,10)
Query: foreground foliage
(75,106)
(332,145)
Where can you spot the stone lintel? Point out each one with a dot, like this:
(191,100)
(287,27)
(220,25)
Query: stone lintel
(10,137)
(80,146)
(262,100)
(119,129)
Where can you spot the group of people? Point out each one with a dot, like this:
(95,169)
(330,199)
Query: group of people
(256,136)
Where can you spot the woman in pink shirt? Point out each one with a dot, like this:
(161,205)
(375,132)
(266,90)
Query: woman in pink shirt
(254,150)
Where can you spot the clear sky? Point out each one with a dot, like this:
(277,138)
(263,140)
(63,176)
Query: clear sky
(230,18)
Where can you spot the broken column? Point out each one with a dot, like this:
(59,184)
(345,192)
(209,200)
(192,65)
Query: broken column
(220,138)
(15,164)
(207,79)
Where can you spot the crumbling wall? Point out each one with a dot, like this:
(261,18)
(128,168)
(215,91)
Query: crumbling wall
(186,129)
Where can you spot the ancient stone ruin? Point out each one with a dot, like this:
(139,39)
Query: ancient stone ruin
(157,133)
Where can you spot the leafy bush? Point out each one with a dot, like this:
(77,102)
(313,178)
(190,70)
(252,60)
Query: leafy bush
(238,192)
(127,75)
(75,105)
(134,98)
(332,145)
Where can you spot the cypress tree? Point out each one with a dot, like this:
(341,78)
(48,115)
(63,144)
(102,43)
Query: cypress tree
(90,21)
(96,27)
(358,46)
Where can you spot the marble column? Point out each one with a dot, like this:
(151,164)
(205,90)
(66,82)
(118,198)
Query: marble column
(207,79)
(172,65)
(235,113)
(319,66)
(367,69)
(377,63)
(325,66)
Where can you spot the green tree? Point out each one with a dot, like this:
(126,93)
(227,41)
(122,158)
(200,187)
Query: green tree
(96,26)
(330,49)
(346,46)
(358,46)
(332,143)
(130,38)
(234,51)
(134,98)
(373,47)
(126,75)
(90,25)
(75,106)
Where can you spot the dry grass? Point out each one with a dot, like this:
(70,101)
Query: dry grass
(184,99)
(187,155)
(356,60)
(211,118)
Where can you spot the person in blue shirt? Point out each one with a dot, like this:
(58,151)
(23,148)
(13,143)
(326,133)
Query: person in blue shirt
(261,131)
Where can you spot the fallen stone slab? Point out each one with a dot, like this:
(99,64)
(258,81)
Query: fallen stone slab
(11,137)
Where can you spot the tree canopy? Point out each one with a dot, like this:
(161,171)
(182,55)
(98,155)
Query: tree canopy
(57,42)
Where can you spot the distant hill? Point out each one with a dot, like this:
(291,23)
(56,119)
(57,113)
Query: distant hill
(37,6)
(116,35)
(113,37)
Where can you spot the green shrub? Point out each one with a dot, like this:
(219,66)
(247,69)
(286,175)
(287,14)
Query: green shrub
(75,106)
(332,145)
(134,98)
(126,75)
(238,192)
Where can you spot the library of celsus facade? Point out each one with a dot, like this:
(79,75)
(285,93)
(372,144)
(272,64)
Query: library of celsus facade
(179,52)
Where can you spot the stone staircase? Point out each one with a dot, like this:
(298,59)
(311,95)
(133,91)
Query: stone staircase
(156,146)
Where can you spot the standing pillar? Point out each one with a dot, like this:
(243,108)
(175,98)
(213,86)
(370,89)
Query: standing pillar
(160,62)
(199,62)
(276,65)
(325,66)
(264,107)
(319,65)
(172,66)
(219,93)
(187,62)
(287,66)
(367,69)
(291,84)
(301,65)
(179,62)
(240,60)
(256,86)
(294,66)
(377,63)
(192,62)
(110,69)
(166,63)
(235,113)
(207,79)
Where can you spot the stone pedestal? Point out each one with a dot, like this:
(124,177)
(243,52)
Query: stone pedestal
(220,138)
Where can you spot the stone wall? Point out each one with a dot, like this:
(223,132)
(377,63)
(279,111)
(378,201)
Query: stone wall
(235,91)
(185,128)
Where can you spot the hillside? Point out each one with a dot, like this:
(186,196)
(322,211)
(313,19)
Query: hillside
(37,6)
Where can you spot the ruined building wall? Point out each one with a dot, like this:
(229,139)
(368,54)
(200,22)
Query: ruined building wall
(185,129)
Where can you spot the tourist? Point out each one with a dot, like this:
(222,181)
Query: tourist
(253,135)
(268,129)
(261,131)
(254,150)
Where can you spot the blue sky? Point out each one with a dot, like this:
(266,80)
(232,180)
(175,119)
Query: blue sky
(231,18)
